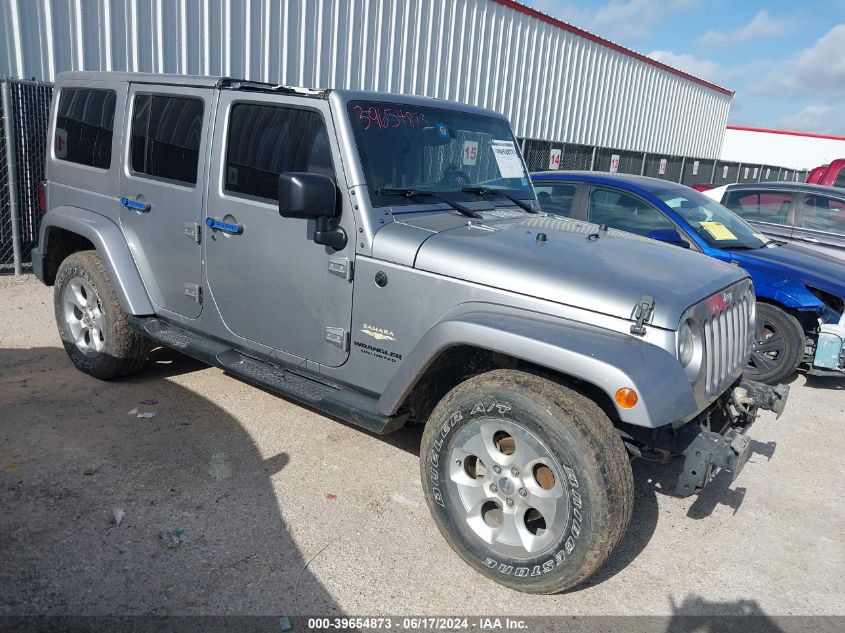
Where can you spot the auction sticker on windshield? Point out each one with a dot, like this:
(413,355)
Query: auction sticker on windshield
(470,153)
(510,166)
(718,231)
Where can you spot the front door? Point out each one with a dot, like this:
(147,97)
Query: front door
(270,282)
(162,188)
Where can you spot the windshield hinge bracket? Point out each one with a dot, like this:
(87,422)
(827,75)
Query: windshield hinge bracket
(642,313)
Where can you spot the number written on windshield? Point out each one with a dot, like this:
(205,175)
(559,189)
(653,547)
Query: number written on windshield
(374,117)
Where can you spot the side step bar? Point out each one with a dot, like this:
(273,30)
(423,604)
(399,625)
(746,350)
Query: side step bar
(348,405)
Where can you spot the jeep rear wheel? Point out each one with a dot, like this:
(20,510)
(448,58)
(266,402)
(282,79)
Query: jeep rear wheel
(526,479)
(93,328)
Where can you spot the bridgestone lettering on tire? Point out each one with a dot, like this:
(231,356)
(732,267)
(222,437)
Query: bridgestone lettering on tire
(92,326)
(526,479)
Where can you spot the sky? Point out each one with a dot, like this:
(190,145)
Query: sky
(784,60)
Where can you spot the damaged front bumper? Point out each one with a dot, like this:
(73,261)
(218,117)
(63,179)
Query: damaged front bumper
(721,442)
(715,439)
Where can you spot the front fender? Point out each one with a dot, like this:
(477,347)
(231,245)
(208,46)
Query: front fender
(108,239)
(606,359)
(785,291)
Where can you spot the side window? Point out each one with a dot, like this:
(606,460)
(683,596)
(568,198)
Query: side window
(556,199)
(840,179)
(166,135)
(84,124)
(760,206)
(624,212)
(265,140)
(824,214)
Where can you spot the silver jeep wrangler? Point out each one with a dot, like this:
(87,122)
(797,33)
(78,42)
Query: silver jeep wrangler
(382,259)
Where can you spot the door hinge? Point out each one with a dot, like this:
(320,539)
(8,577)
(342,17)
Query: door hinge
(338,337)
(192,230)
(642,313)
(341,266)
(194,291)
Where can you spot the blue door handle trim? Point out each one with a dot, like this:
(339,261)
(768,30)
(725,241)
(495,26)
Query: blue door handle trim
(234,229)
(135,204)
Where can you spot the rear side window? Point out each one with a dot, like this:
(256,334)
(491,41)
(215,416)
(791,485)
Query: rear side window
(166,136)
(840,179)
(556,199)
(624,212)
(265,140)
(760,206)
(824,214)
(84,124)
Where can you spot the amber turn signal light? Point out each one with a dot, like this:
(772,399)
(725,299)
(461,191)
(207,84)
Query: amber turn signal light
(626,398)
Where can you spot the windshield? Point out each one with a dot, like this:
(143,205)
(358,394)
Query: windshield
(437,150)
(717,225)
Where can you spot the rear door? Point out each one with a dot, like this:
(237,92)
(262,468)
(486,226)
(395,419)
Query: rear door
(821,224)
(769,210)
(162,190)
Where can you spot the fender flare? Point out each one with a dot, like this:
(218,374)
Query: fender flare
(110,244)
(606,359)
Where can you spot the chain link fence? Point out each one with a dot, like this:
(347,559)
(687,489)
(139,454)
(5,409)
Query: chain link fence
(24,111)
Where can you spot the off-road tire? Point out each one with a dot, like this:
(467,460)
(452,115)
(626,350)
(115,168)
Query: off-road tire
(123,350)
(586,454)
(784,332)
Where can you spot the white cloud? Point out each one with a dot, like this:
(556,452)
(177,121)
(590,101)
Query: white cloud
(762,25)
(702,68)
(814,70)
(822,119)
(624,21)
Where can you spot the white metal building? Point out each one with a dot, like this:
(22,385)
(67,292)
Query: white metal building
(796,150)
(553,80)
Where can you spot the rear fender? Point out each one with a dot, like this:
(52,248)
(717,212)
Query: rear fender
(110,244)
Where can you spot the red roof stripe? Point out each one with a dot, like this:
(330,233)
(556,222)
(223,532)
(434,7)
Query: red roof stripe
(742,128)
(534,13)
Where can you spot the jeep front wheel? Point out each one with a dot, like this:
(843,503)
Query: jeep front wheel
(92,326)
(526,479)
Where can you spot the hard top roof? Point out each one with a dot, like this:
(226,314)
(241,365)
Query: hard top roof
(219,82)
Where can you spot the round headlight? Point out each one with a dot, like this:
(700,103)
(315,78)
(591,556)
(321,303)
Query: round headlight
(686,344)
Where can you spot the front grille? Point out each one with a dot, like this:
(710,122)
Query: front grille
(727,340)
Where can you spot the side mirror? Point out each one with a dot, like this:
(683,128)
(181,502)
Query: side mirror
(306,196)
(312,197)
(669,236)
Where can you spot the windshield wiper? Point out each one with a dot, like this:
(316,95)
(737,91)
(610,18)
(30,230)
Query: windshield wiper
(484,191)
(415,193)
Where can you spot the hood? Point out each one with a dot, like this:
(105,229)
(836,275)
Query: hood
(796,263)
(608,275)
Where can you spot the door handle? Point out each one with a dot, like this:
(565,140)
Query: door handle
(226,227)
(810,240)
(135,205)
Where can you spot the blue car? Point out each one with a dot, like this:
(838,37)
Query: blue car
(800,293)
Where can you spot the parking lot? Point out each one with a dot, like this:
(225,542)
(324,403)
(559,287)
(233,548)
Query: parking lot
(238,502)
